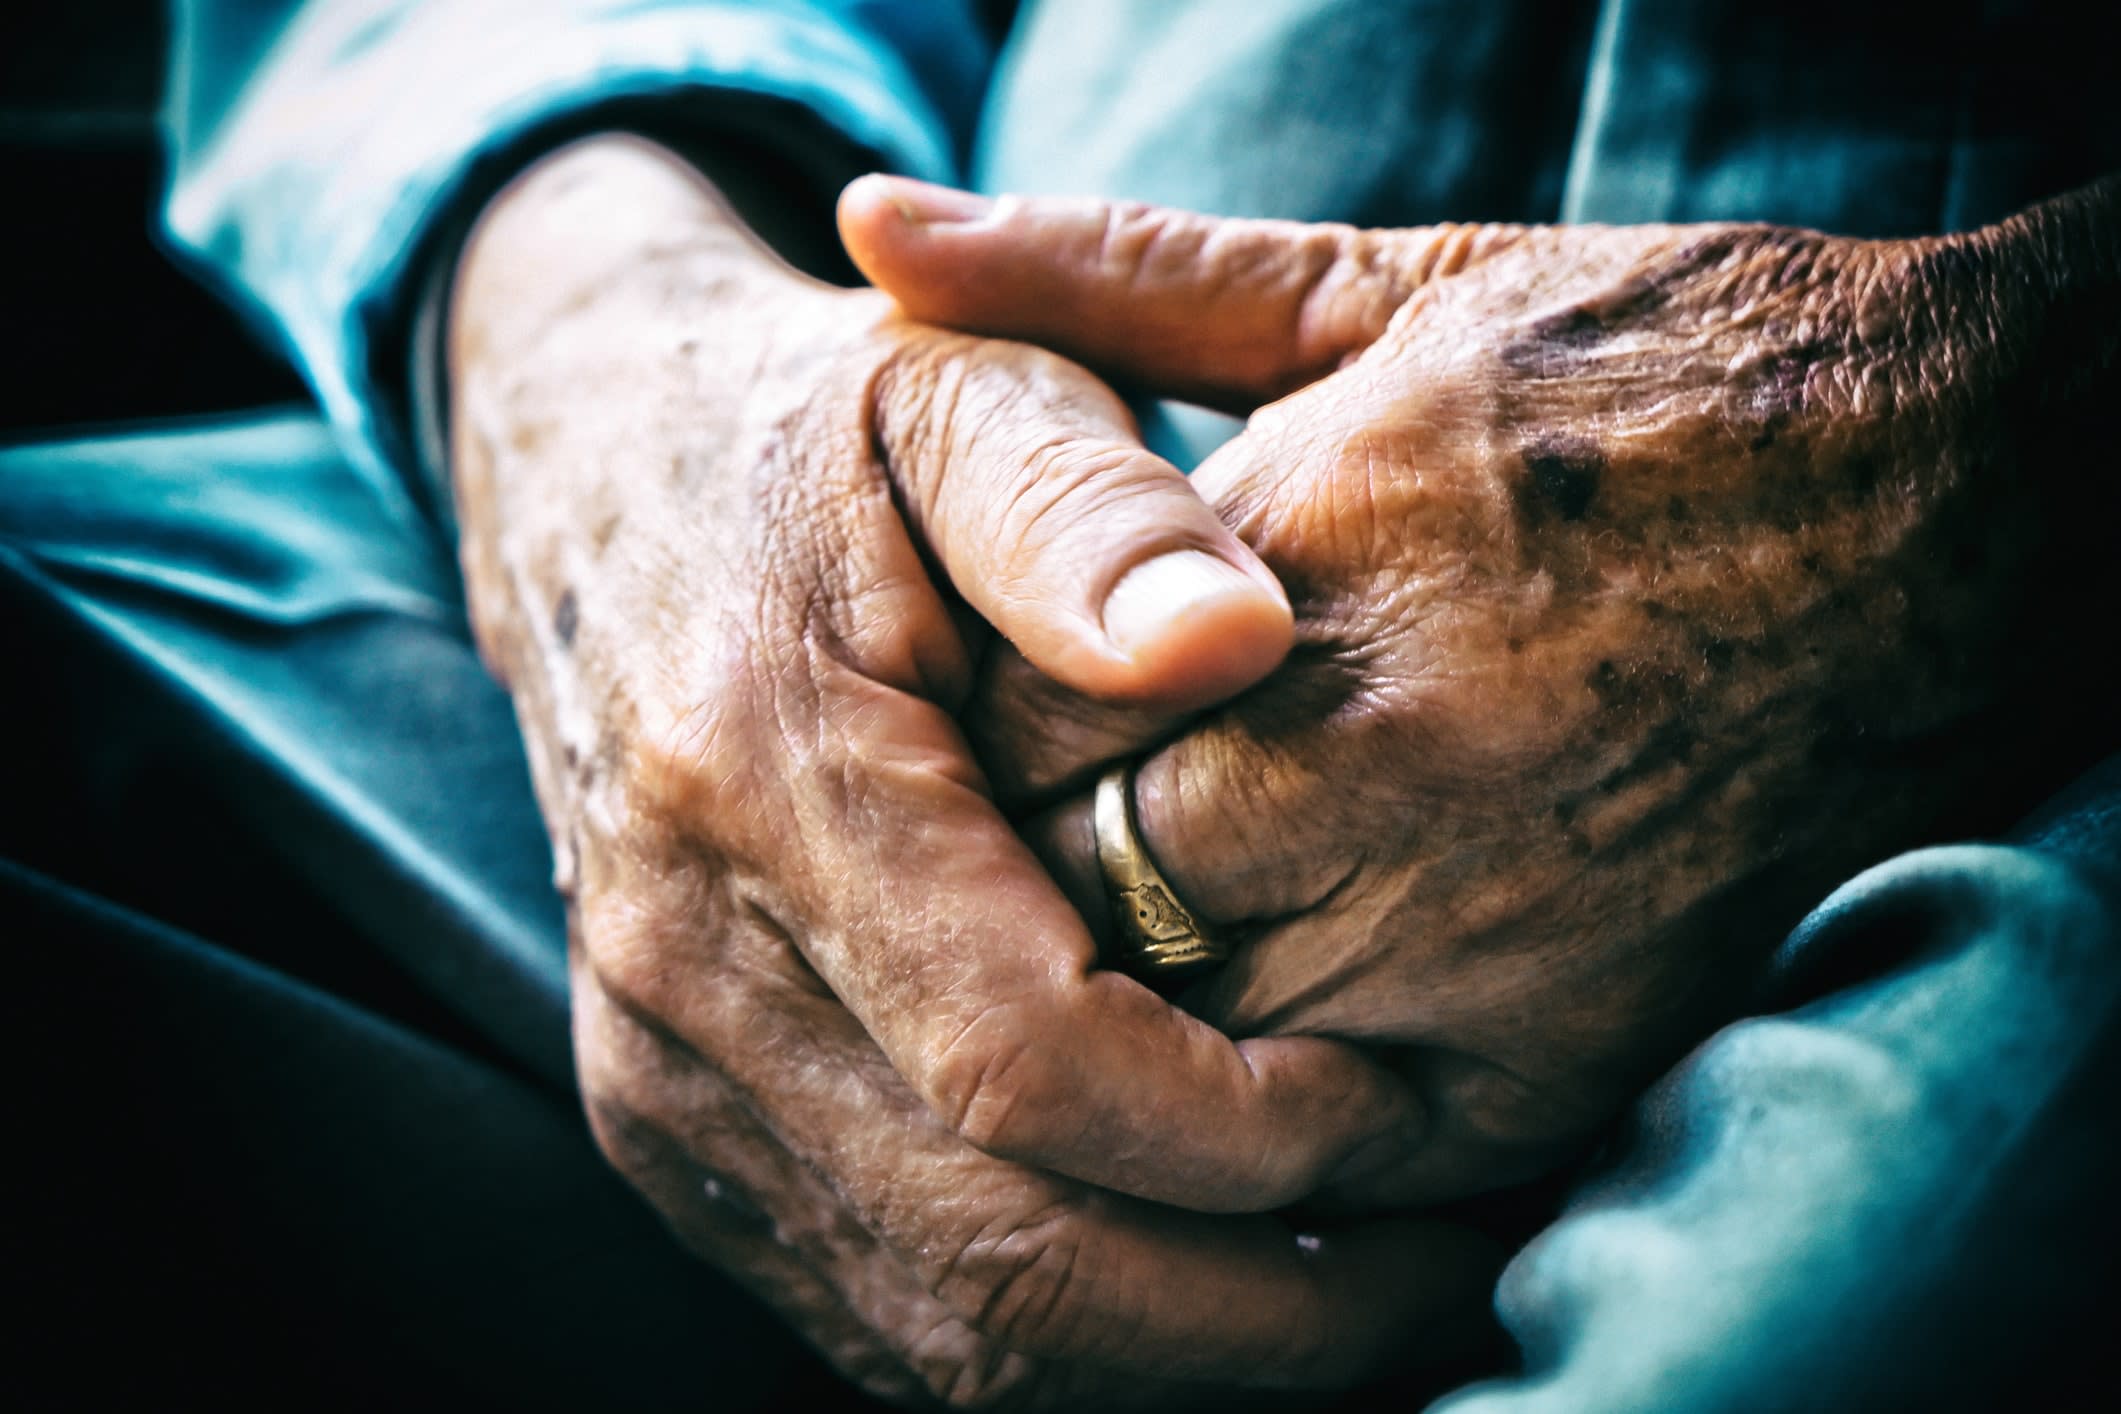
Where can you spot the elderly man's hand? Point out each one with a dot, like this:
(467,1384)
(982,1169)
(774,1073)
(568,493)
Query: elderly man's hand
(1648,580)
(831,1015)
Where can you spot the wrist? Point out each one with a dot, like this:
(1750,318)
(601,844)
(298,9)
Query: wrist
(2063,264)
(534,326)
(2052,334)
(579,298)
(567,235)
(2029,309)
(2029,318)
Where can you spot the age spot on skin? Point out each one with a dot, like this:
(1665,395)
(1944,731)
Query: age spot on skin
(1670,743)
(1556,346)
(1561,478)
(1560,344)
(566,618)
(1781,387)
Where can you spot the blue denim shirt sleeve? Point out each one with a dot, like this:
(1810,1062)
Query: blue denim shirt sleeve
(316,147)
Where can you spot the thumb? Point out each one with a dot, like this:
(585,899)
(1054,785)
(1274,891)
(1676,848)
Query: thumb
(1024,478)
(1231,313)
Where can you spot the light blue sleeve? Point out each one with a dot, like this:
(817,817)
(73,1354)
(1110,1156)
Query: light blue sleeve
(1898,1194)
(317,148)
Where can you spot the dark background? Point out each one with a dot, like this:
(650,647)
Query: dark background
(97,322)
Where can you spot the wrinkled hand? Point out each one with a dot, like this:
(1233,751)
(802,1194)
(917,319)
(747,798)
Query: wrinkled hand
(729,537)
(1648,580)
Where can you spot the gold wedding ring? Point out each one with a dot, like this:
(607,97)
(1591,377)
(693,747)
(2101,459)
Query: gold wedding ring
(1157,934)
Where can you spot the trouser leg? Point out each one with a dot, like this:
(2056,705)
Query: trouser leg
(246,1187)
(286,1019)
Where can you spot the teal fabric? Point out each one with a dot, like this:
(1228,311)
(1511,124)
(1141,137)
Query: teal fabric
(1878,1199)
(320,149)
(1878,117)
(273,616)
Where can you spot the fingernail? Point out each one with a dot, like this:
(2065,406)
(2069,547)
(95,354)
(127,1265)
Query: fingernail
(1158,593)
(925,204)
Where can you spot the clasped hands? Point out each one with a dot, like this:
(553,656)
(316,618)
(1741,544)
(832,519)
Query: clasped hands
(1542,646)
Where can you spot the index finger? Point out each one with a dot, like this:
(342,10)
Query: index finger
(1230,313)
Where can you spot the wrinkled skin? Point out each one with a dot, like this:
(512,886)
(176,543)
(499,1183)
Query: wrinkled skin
(1648,581)
(729,539)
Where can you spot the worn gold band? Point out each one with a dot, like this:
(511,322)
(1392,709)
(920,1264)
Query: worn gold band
(1157,933)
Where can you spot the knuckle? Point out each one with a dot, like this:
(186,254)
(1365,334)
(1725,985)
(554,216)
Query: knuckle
(1021,1282)
(702,1212)
(684,954)
(960,1368)
(918,392)
(623,1065)
(666,1123)
(1147,245)
(627,1140)
(996,1087)
(1519,1126)
(636,965)
(693,763)
(1347,287)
